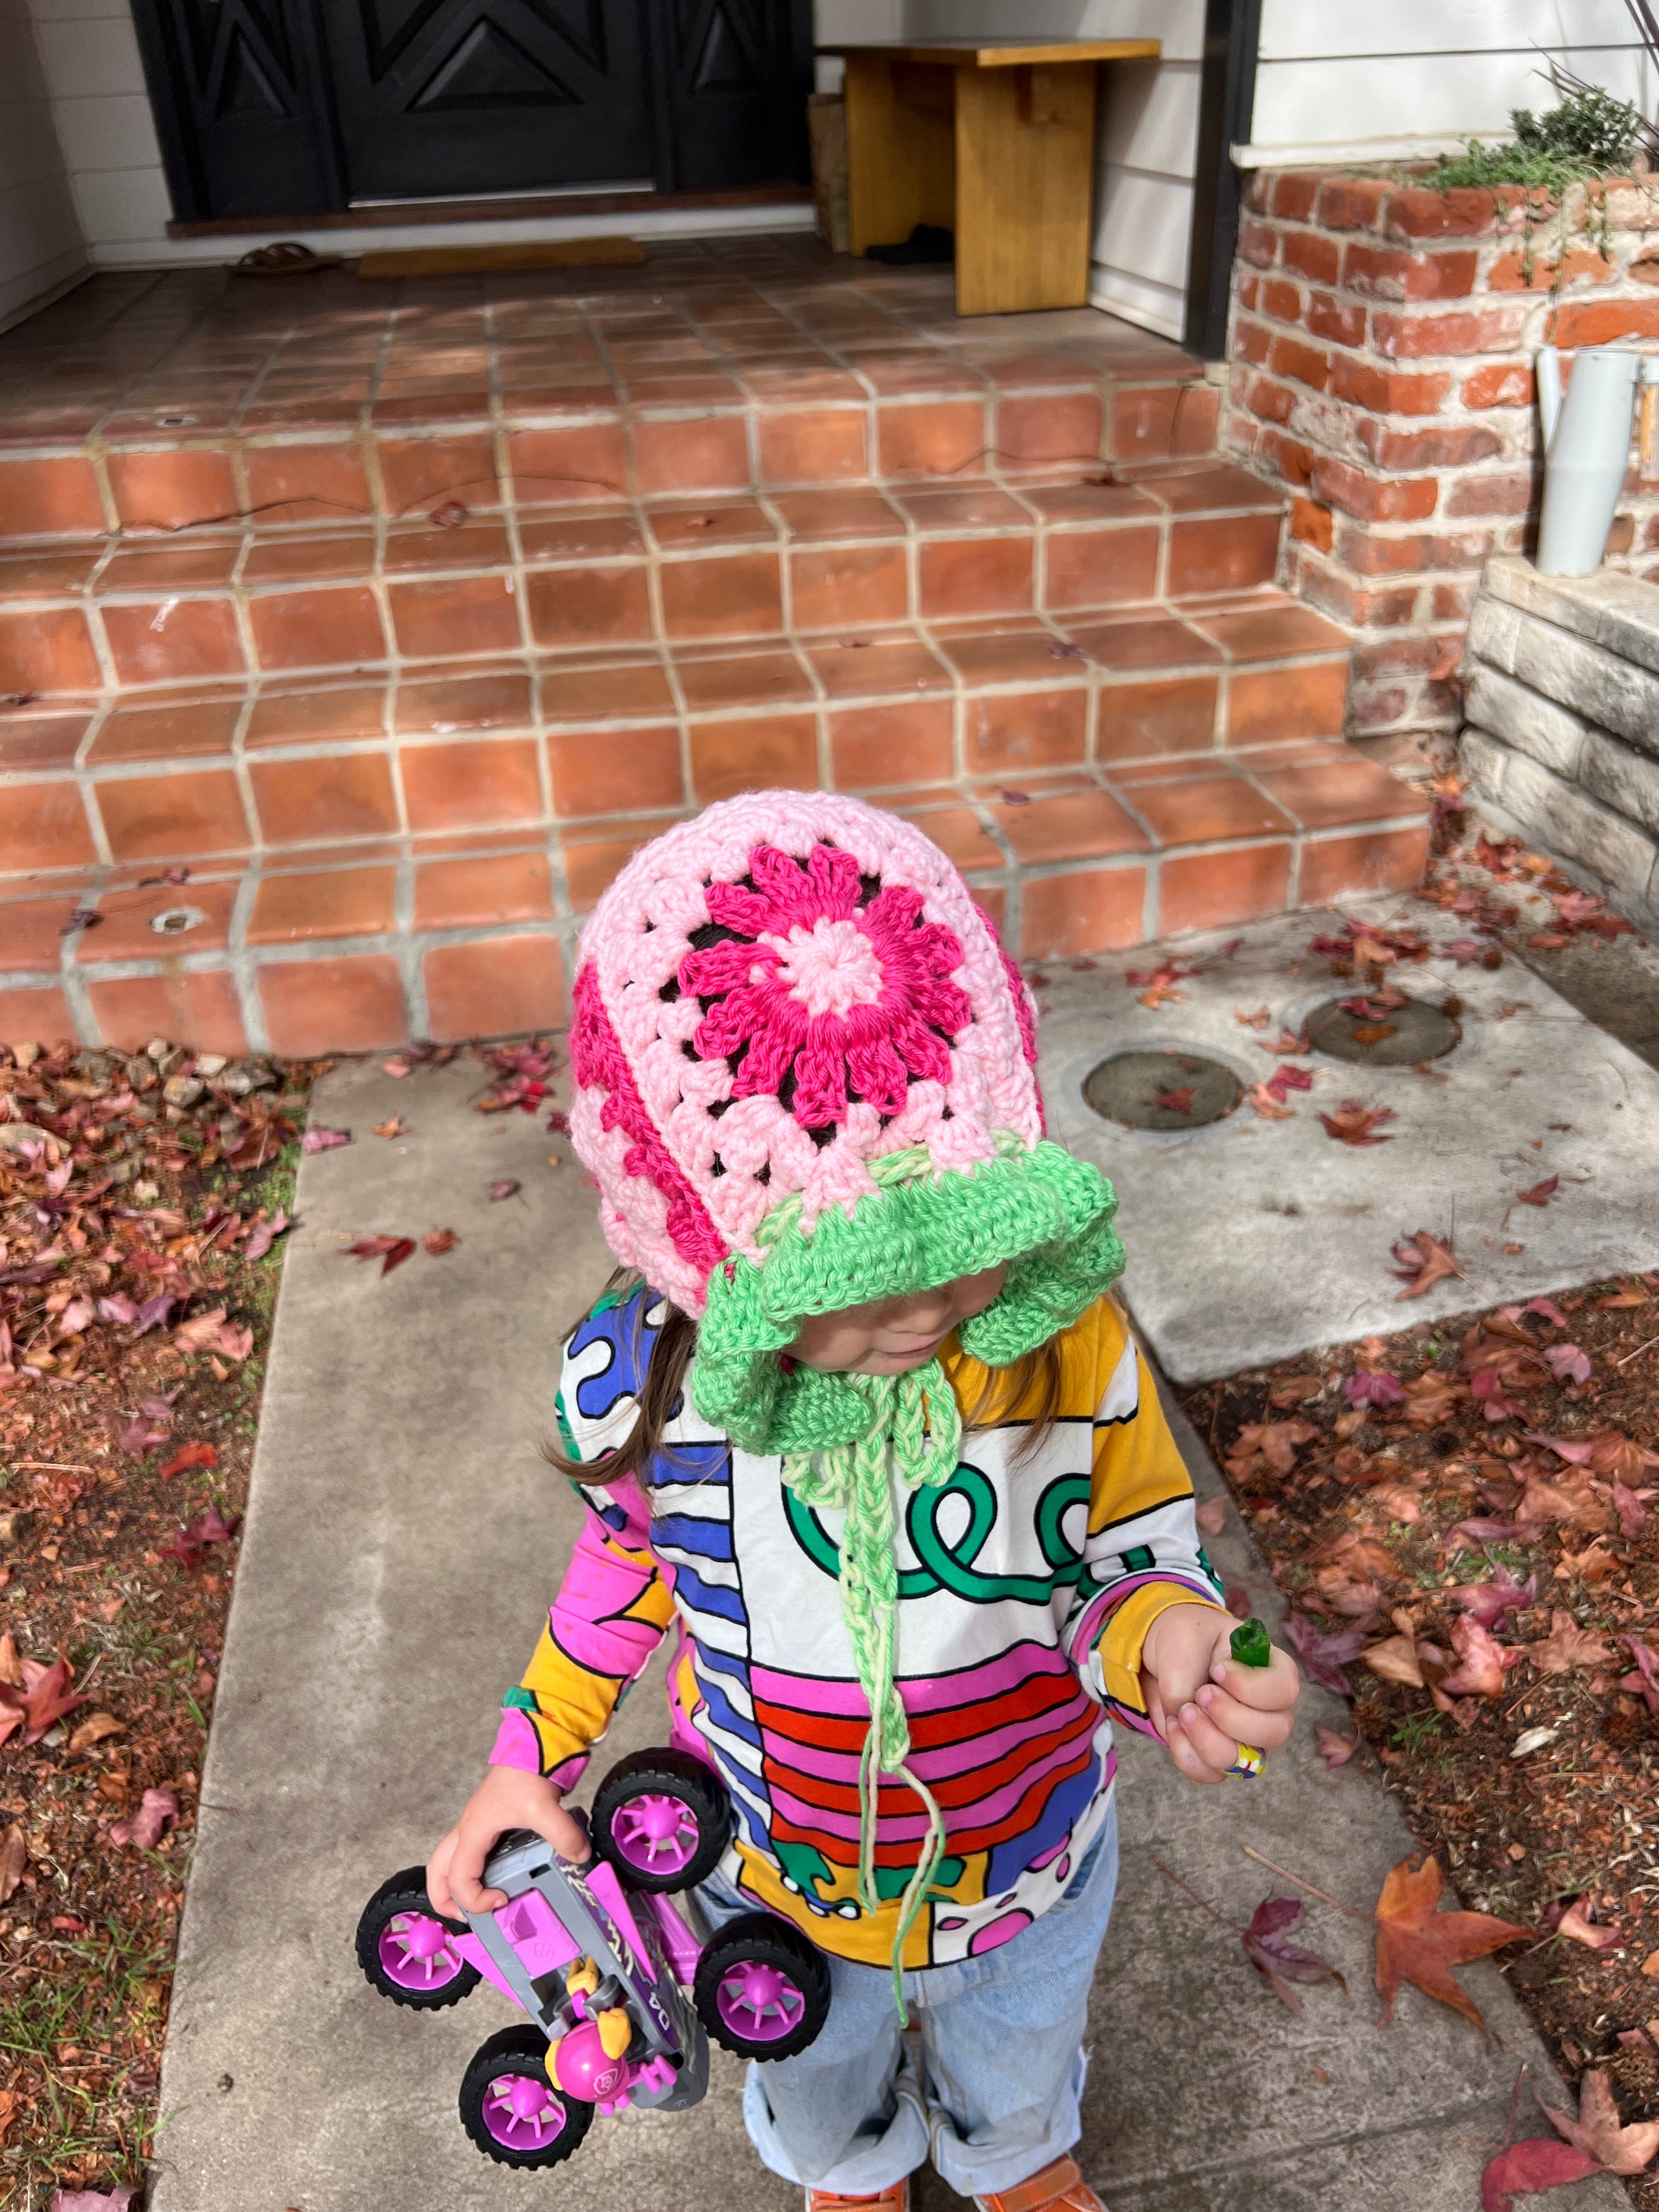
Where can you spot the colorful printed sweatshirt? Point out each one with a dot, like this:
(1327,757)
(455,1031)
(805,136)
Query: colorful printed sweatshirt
(1026,1588)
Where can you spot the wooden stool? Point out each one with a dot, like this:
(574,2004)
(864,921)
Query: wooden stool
(993,138)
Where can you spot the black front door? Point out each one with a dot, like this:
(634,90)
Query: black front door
(439,98)
(287,108)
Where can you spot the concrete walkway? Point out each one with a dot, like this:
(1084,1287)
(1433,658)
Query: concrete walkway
(403,1538)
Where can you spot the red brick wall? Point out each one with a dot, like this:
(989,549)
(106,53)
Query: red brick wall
(1380,349)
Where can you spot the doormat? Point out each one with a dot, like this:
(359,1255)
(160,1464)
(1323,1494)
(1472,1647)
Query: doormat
(531,254)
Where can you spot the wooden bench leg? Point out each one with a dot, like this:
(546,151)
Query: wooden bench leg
(900,151)
(1025,162)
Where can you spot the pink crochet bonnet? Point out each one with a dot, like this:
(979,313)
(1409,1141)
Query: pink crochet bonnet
(805,1077)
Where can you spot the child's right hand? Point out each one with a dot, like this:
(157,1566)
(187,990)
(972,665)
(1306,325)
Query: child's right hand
(507,1798)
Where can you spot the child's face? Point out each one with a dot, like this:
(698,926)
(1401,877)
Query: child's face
(889,1336)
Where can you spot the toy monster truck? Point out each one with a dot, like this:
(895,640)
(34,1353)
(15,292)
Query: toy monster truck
(617,1986)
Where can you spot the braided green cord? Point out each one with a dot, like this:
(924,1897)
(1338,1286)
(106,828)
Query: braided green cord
(853,1478)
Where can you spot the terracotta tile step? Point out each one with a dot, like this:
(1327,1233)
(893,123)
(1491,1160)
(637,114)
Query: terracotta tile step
(173,773)
(320,458)
(132,613)
(451,936)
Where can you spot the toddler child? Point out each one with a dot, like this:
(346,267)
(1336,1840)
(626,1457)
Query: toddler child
(860,1425)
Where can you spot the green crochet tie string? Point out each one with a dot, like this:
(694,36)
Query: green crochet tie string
(915,1423)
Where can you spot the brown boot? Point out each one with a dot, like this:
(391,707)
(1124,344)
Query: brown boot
(1057,2188)
(896,2198)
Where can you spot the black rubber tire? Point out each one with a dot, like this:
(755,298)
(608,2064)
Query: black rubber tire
(406,1892)
(763,1937)
(663,1774)
(517,2051)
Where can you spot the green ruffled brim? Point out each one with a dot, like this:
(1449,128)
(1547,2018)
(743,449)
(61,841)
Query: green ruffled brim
(1047,1214)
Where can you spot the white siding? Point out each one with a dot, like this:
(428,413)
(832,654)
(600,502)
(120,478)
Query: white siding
(42,249)
(90,53)
(1339,80)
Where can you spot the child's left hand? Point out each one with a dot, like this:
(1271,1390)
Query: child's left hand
(1202,1702)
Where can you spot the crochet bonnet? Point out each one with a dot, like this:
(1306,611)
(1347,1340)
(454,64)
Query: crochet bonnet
(804,1077)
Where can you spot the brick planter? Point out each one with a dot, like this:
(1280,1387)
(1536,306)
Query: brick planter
(1382,346)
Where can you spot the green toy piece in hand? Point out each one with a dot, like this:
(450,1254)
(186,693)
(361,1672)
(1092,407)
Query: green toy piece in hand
(1250,1644)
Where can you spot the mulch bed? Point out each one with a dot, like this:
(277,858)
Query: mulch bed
(139,1262)
(1395,1513)
(142,1199)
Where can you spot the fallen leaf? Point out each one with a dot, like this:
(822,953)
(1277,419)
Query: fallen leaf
(1335,1749)
(190,1456)
(1395,1660)
(1567,1363)
(1356,1123)
(42,1700)
(14,1857)
(1212,1515)
(1567,1646)
(93,2200)
(318,1139)
(1262,1099)
(1487,1602)
(1424,1261)
(156,1808)
(94,1729)
(1373,1388)
(264,1234)
(394,1125)
(1248,1020)
(1529,2168)
(1540,1193)
(439,1240)
(1276,1443)
(1599,2134)
(1287,1046)
(189,1546)
(390,1251)
(1650,1966)
(1485,1661)
(503,1186)
(1429,1397)
(139,1436)
(1175,1102)
(1644,1680)
(210,1332)
(1357,1599)
(1288,1078)
(1267,1947)
(399,1064)
(1577,1927)
(1573,1504)
(1415,1943)
(1322,1654)
(1630,1506)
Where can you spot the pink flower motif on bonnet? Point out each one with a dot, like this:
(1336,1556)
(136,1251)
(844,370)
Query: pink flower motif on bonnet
(768,998)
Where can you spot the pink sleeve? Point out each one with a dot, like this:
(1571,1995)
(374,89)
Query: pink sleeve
(613,1608)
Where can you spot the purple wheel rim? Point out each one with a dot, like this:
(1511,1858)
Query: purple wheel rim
(759,2003)
(522,2113)
(415,1952)
(656,1833)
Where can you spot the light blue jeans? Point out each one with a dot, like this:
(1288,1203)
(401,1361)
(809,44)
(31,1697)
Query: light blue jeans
(988,2084)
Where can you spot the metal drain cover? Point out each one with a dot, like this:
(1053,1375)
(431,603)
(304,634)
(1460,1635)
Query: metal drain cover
(1392,1037)
(1161,1089)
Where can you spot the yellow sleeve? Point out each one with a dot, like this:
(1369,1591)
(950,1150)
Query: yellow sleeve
(1142,1553)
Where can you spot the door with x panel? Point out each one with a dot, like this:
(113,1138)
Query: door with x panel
(442,97)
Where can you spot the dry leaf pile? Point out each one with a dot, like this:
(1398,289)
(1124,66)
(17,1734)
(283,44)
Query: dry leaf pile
(143,1198)
(1466,1519)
